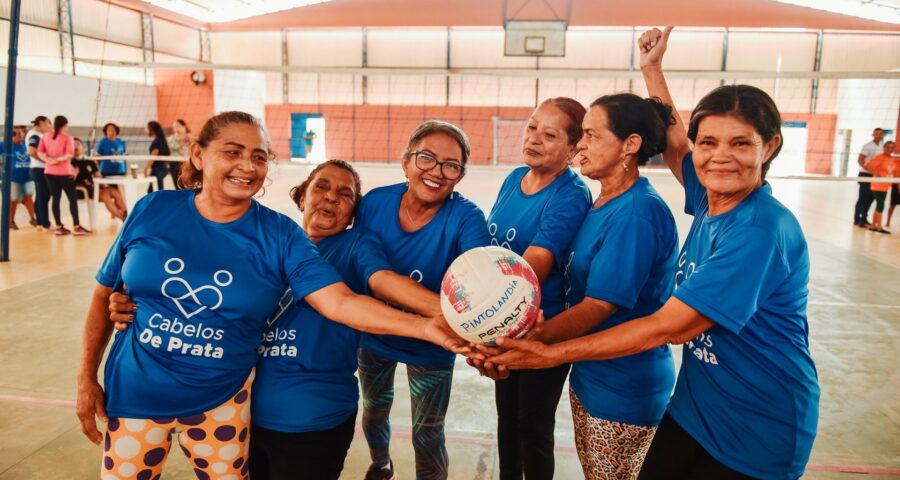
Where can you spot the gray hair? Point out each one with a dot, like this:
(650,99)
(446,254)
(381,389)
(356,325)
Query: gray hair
(432,127)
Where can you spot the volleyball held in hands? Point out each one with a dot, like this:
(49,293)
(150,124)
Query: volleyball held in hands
(488,293)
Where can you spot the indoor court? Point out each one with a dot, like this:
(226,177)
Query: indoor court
(351,79)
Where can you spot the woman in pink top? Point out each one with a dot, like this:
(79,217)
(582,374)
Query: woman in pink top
(57,150)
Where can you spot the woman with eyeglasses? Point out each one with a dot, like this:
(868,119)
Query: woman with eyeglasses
(424,226)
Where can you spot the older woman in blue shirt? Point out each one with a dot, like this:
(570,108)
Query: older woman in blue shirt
(747,397)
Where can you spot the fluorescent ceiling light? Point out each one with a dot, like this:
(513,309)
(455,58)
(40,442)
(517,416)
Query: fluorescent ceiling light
(216,11)
(880,10)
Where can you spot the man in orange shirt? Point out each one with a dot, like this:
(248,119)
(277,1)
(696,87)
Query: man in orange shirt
(883,165)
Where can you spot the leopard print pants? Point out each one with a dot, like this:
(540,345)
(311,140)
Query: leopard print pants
(608,450)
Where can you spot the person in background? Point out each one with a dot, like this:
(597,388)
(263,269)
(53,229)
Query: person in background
(41,126)
(158,147)
(308,138)
(424,226)
(537,213)
(865,198)
(112,145)
(882,165)
(56,150)
(21,184)
(179,145)
(83,170)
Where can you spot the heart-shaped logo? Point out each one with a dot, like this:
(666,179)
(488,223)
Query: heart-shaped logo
(187,298)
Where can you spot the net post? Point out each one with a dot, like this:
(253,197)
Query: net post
(66,36)
(845,154)
(8,120)
(495,155)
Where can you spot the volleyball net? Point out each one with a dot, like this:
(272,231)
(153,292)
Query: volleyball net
(367,114)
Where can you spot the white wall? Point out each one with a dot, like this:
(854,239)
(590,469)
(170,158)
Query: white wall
(50,94)
(246,48)
(240,90)
(426,48)
(594,48)
(325,48)
(91,48)
(38,48)
(176,39)
(105,20)
(38,12)
(860,52)
(771,51)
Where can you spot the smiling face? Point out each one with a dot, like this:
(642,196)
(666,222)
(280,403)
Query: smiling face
(599,150)
(545,144)
(431,187)
(234,164)
(729,154)
(111,132)
(328,202)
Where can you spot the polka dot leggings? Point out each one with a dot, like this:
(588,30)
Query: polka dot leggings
(215,442)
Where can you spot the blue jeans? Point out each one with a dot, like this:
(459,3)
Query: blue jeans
(430,390)
(41,197)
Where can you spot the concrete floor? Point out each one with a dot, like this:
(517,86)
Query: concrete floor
(854,319)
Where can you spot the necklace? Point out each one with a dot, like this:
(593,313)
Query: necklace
(413,223)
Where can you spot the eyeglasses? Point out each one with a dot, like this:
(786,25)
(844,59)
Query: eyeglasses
(425,161)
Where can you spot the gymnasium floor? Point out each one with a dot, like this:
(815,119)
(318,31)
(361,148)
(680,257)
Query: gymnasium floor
(854,316)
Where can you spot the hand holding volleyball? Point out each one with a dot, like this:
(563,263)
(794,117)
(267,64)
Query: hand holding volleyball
(488,293)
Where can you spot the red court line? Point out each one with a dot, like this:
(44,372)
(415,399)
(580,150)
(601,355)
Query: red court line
(854,469)
(466,440)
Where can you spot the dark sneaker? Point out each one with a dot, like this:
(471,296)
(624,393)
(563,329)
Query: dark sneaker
(32,222)
(381,473)
(79,231)
(61,230)
(13,226)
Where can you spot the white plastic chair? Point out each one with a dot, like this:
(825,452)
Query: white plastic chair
(90,205)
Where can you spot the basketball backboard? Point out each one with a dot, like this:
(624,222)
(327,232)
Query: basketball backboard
(536,28)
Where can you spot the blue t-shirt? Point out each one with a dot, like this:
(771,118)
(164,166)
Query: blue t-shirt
(625,254)
(21,162)
(203,291)
(547,219)
(106,147)
(305,376)
(424,255)
(748,390)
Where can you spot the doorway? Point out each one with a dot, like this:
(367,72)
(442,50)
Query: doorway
(792,158)
(308,137)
